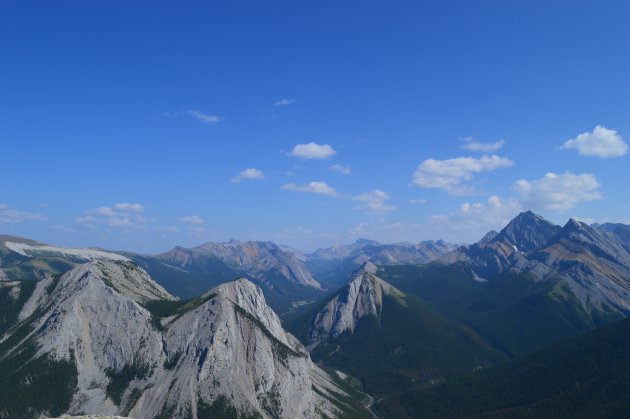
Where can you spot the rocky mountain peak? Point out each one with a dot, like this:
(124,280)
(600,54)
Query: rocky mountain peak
(226,345)
(124,277)
(489,236)
(527,232)
(362,296)
(256,259)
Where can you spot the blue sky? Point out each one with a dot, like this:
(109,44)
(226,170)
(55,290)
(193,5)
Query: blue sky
(132,125)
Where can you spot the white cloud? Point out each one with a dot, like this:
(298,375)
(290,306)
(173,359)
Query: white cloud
(248,174)
(312,150)
(284,102)
(602,142)
(472,145)
(472,220)
(344,170)
(123,214)
(203,117)
(315,187)
(200,116)
(193,219)
(125,206)
(105,211)
(418,201)
(449,174)
(9,215)
(374,202)
(558,192)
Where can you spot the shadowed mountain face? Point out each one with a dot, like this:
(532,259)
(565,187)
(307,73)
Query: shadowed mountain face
(106,339)
(586,376)
(593,263)
(527,232)
(619,232)
(388,338)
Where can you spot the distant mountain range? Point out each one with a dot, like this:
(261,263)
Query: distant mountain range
(89,330)
(289,279)
(333,265)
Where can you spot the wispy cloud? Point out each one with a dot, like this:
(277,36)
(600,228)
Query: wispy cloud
(125,206)
(374,201)
(248,174)
(312,151)
(193,219)
(558,192)
(602,142)
(204,117)
(450,174)
(9,215)
(473,145)
(197,114)
(118,215)
(315,187)
(284,102)
(337,168)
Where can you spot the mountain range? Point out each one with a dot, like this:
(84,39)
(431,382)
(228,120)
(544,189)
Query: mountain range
(193,332)
(104,338)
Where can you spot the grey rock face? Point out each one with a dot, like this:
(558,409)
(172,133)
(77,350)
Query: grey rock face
(362,296)
(229,344)
(594,263)
(527,232)
(619,232)
(488,237)
(254,257)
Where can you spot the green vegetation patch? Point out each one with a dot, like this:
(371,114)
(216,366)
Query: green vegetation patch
(586,376)
(11,304)
(222,408)
(119,380)
(280,349)
(33,385)
(160,309)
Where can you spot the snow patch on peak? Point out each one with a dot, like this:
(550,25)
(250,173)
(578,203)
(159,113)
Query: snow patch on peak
(28,250)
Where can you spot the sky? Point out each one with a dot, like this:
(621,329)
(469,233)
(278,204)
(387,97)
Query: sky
(143,125)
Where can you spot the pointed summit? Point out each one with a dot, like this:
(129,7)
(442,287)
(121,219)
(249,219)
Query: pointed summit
(489,236)
(527,232)
(362,297)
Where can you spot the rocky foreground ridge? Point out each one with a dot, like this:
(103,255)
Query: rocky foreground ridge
(124,346)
